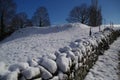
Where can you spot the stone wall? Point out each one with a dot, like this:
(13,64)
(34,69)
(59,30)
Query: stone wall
(69,63)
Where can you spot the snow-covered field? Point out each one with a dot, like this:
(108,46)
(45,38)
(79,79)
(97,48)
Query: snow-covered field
(34,42)
(106,68)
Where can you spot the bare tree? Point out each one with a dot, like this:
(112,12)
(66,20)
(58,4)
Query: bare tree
(95,16)
(19,20)
(41,17)
(99,18)
(92,16)
(29,23)
(7,10)
(79,14)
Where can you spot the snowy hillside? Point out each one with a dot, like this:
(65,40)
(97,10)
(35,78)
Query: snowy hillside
(34,42)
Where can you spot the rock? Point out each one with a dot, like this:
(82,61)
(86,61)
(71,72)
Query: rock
(49,64)
(31,72)
(10,76)
(58,54)
(40,59)
(55,78)
(76,59)
(77,53)
(63,63)
(44,73)
(32,63)
(22,78)
(80,64)
(21,66)
(3,68)
(51,56)
(78,40)
(76,66)
(80,57)
(38,79)
(62,76)
(71,55)
(74,44)
(66,48)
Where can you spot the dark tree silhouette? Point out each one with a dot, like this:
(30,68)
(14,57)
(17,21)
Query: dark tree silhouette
(19,20)
(99,18)
(92,16)
(28,23)
(41,17)
(95,16)
(7,10)
(79,14)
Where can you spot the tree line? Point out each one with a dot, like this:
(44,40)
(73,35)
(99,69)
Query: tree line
(11,21)
(89,15)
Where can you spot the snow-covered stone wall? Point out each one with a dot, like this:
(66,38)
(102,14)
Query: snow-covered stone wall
(71,62)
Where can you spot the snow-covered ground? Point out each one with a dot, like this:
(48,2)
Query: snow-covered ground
(34,42)
(115,25)
(106,68)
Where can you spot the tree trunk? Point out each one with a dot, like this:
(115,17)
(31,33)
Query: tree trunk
(2,26)
(40,24)
(99,28)
(90,32)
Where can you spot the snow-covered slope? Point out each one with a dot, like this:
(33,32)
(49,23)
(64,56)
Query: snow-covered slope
(34,42)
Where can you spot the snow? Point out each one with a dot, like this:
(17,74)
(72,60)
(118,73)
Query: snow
(106,68)
(35,42)
(44,52)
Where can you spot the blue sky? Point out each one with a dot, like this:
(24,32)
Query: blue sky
(59,9)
